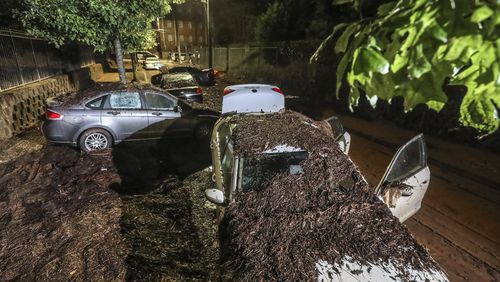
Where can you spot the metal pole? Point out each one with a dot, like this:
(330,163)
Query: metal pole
(34,58)
(210,59)
(17,59)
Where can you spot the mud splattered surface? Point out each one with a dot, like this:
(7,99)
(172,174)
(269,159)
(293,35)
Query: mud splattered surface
(279,230)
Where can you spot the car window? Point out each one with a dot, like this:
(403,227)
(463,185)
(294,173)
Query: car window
(96,103)
(159,102)
(125,100)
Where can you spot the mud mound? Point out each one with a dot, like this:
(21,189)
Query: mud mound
(59,219)
(279,231)
(171,233)
(298,131)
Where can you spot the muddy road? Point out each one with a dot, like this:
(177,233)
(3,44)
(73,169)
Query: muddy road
(138,212)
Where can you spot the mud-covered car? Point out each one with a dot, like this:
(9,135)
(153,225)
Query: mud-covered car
(97,118)
(182,85)
(205,77)
(292,206)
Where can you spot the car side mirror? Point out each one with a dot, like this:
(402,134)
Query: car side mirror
(178,109)
(337,128)
(215,196)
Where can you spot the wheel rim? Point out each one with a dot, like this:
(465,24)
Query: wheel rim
(96,141)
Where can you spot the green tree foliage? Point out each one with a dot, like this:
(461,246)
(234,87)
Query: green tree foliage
(411,48)
(105,25)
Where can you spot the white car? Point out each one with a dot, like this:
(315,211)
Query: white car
(152,63)
(408,169)
(142,55)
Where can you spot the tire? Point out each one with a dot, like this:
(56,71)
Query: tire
(96,139)
(203,131)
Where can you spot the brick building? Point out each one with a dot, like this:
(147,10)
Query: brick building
(185,25)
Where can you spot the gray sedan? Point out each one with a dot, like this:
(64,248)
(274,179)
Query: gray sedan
(107,116)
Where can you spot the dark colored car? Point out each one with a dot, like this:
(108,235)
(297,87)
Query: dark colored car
(98,118)
(204,77)
(182,85)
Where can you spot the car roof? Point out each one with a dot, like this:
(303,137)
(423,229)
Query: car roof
(179,80)
(102,89)
(288,131)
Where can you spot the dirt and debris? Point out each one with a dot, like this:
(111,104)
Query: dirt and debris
(171,232)
(68,216)
(96,89)
(60,220)
(296,132)
(279,231)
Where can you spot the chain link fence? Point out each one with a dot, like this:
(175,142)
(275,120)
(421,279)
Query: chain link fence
(25,59)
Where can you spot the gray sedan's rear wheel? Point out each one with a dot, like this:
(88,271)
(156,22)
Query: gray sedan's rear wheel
(94,140)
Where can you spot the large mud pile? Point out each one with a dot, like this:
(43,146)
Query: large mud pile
(65,215)
(59,219)
(280,230)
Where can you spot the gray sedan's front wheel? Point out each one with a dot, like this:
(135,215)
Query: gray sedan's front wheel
(95,140)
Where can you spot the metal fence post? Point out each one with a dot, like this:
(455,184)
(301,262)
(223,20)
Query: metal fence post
(34,58)
(17,59)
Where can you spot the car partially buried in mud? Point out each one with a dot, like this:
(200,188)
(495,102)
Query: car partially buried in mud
(292,206)
(99,117)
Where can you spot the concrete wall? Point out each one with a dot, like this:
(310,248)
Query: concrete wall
(21,108)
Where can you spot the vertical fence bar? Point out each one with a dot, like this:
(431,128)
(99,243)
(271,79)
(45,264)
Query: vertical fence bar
(17,59)
(34,58)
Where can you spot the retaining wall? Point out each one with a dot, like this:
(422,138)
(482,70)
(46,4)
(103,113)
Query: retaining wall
(23,107)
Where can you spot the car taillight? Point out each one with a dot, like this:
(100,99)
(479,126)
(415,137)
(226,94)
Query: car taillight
(228,90)
(199,90)
(53,115)
(276,89)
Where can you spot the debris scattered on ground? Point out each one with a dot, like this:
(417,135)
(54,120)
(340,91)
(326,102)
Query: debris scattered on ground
(281,230)
(170,231)
(60,220)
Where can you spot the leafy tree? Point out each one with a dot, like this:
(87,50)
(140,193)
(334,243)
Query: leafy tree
(105,25)
(411,48)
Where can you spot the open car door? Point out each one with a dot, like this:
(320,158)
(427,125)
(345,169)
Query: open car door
(406,179)
(343,138)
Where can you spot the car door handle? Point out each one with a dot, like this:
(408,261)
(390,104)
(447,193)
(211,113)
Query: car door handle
(114,113)
(156,113)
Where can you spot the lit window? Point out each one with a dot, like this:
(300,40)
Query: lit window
(190,25)
(181,24)
(170,37)
(190,39)
(181,38)
(200,39)
(169,24)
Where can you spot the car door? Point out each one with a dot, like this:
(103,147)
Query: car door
(161,114)
(406,179)
(124,114)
